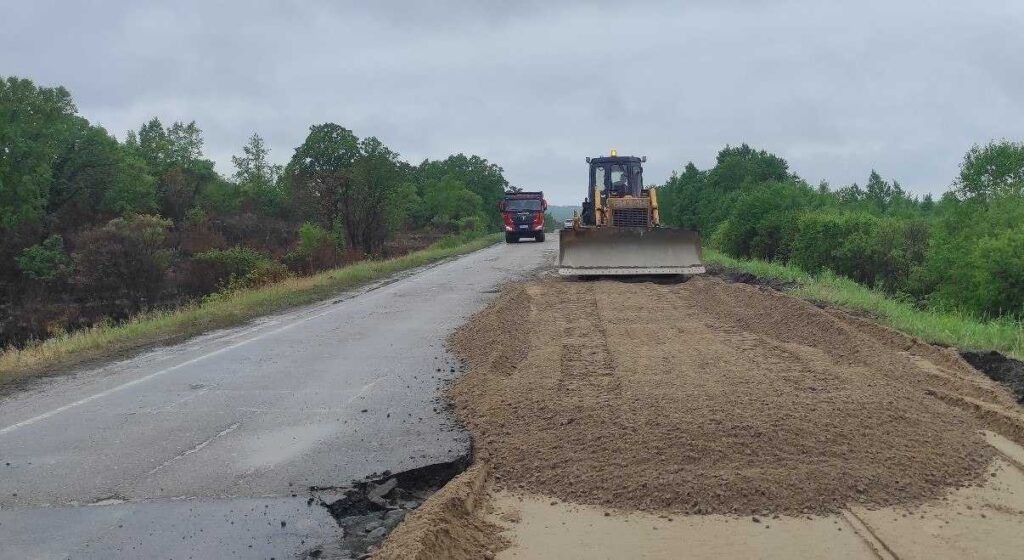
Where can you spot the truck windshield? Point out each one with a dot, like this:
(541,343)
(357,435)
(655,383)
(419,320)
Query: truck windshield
(532,204)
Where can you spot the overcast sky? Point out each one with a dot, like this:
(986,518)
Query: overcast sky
(835,88)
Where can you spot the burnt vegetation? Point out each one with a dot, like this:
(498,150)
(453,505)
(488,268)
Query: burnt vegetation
(97,228)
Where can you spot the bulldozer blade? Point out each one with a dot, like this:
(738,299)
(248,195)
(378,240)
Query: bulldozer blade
(620,251)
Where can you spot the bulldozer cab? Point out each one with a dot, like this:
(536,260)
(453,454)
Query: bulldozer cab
(617,181)
(616,176)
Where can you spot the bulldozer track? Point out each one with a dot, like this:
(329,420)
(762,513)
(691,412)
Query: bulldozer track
(586,364)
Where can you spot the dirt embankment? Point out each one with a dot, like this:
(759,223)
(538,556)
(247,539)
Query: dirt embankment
(707,397)
(448,525)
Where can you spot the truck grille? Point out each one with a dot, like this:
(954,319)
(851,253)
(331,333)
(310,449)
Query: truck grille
(629,217)
(523,218)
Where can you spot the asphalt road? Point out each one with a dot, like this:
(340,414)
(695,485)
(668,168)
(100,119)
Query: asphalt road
(207,449)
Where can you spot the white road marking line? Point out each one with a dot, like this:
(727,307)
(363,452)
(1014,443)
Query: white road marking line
(112,390)
(223,432)
(156,374)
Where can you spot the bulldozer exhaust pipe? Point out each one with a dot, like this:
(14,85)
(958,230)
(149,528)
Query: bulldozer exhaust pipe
(600,251)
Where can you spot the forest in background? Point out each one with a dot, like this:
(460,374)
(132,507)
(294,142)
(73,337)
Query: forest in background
(963,252)
(97,229)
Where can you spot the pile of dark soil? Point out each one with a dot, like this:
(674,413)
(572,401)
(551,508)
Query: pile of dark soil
(1006,370)
(709,397)
(735,276)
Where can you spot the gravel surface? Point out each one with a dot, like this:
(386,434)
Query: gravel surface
(708,397)
(449,525)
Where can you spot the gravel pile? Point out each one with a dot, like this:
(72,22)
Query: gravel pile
(708,397)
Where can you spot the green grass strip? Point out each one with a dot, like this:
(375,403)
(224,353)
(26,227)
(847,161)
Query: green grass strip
(214,312)
(941,327)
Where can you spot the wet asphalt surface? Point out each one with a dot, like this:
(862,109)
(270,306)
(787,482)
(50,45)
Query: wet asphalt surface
(208,449)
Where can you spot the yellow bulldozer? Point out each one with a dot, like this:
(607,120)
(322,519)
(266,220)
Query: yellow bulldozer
(619,230)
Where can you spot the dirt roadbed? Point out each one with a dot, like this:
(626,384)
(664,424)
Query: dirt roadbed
(718,419)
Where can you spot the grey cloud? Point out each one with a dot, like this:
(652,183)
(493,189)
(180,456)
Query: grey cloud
(835,88)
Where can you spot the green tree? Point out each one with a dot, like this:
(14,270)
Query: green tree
(927,203)
(680,197)
(34,126)
(410,211)
(96,177)
(318,176)
(373,209)
(152,146)
(348,183)
(182,188)
(882,195)
(174,156)
(993,170)
(762,222)
(179,145)
(257,178)
(702,200)
(185,143)
(480,176)
(448,201)
(737,166)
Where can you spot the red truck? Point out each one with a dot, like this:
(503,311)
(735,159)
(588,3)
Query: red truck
(523,214)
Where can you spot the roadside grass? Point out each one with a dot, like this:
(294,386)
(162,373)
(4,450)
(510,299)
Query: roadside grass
(940,327)
(216,311)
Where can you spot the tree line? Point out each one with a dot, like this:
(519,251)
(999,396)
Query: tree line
(964,251)
(95,228)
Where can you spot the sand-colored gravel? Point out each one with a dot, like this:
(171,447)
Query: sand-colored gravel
(708,397)
(449,525)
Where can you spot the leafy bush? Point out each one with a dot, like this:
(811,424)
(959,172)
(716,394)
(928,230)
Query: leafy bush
(236,261)
(998,265)
(983,275)
(313,237)
(317,249)
(878,252)
(46,260)
(471,223)
(762,221)
(231,269)
(215,269)
(449,201)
